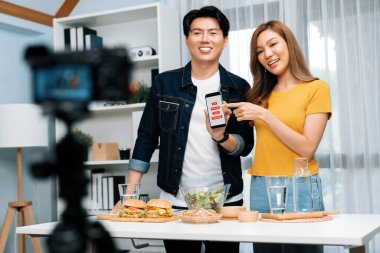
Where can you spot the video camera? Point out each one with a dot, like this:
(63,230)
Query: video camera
(64,84)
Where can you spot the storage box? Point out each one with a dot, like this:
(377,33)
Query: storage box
(106,151)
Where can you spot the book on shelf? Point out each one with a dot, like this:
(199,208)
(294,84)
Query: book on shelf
(96,189)
(104,190)
(93,42)
(113,190)
(73,39)
(66,38)
(105,193)
(82,31)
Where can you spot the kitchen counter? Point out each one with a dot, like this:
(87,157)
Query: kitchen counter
(350,230)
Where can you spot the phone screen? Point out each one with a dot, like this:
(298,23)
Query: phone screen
(215,109)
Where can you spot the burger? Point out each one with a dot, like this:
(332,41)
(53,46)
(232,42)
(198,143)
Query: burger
(133,208)
(158,208)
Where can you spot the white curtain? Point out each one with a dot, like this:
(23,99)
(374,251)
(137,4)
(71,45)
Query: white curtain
(341,41)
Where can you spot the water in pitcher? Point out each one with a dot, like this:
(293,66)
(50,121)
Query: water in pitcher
(302,187)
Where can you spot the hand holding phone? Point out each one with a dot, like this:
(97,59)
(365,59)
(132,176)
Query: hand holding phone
(215,110)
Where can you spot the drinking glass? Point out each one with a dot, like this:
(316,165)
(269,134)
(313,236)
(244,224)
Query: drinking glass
(277,190)
(129,191)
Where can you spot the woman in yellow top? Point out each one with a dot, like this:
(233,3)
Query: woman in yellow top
(289,109)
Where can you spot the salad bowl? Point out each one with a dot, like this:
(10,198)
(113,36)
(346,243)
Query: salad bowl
(207,197)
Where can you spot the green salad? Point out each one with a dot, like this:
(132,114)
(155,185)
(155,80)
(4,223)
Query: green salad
(206,200)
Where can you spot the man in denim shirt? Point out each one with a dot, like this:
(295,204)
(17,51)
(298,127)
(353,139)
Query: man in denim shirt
(191,152)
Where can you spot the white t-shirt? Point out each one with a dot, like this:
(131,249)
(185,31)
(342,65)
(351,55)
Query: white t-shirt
(201,165)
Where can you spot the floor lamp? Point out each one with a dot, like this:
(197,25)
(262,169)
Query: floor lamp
(22,126)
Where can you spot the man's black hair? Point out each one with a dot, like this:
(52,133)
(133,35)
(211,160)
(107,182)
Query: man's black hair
(206,12)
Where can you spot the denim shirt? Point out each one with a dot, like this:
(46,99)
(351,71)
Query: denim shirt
(167,117)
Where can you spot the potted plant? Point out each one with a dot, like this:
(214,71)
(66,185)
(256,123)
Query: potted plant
(139,92)
(86,139)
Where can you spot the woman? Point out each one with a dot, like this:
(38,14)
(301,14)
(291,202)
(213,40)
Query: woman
(289,109)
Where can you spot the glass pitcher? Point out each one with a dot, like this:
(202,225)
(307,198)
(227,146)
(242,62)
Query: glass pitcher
(302,191)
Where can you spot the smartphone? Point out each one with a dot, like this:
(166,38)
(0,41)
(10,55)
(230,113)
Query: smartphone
(215,109)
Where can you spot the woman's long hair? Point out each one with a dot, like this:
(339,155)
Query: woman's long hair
(263,80)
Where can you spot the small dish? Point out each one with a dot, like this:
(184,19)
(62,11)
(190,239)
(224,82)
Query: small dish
(248,216)
(231,211)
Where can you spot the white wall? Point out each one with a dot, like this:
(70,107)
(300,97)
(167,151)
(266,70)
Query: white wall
(15,87)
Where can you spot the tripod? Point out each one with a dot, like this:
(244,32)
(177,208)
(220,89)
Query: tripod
(78,79)
(75,231)
(24,210)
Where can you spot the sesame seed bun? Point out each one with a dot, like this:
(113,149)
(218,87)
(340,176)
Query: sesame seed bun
(161,203)
(135,203)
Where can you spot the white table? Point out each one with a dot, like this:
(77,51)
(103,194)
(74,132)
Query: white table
(349,230)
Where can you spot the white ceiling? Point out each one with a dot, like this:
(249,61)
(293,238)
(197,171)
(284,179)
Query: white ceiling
(46,6)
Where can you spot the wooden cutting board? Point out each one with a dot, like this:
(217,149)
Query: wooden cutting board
(324,218)
(154,220)
(292,216)
(106,216)
(297,216)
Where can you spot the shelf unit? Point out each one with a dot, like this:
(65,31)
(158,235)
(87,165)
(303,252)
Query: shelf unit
(112,163)
(154,25)
(99,107)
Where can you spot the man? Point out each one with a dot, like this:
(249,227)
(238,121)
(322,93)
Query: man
(192,153)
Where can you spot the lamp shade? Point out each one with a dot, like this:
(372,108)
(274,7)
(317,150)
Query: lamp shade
(22,125)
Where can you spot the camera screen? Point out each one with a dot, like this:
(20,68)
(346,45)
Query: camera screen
(63,82)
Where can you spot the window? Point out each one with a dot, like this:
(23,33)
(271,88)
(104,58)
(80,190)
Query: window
(239,53)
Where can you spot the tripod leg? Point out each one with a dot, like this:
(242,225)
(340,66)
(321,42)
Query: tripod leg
(6,227)
(29,218)
(21,238)
(101,238)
